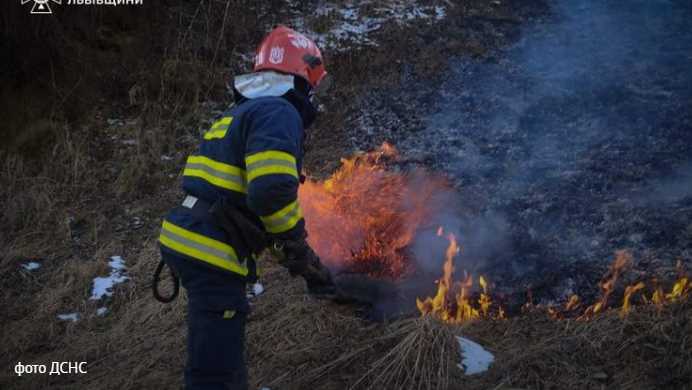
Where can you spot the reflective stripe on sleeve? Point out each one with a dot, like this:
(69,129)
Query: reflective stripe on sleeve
(270,162)
(201,247)
(218,130)
(284,219)
(219,174)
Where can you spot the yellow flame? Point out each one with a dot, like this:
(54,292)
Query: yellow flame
(629,290)
(679,290)
(459,307)
(573,302)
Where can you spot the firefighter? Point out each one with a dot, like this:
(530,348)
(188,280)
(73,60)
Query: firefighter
(241,188)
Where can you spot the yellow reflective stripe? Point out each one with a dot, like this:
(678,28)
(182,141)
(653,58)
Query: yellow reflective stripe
(219,128)
(200,247)
(269,155)
(218,166)
(220,174)
(270,162)
(284,219)
(225,121)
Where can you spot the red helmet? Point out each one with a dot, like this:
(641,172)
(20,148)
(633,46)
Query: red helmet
(287,51)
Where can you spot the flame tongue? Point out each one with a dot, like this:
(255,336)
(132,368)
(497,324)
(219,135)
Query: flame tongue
(460,307)
(364,217)
(623,259)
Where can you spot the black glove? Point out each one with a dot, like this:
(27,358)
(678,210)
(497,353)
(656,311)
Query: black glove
(301,260)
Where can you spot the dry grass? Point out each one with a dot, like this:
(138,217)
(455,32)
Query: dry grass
(646,350)
(34,193)
(421,355)
(297,342)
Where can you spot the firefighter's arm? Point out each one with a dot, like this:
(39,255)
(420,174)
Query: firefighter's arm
(272,152)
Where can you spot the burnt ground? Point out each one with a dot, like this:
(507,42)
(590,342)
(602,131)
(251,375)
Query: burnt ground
(569,143)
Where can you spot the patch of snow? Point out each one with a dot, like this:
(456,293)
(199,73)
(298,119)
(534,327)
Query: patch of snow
(69,317)
(474,358)
(166,158)
(129,142)
(101,311)
(440,12)
(414,13)
(350,26)
(257,289)
(103,286)
(30,266)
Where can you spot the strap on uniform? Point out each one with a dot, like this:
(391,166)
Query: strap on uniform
(157,280)
(233,221)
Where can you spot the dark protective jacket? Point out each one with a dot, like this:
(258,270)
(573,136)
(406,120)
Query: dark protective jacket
(252,156)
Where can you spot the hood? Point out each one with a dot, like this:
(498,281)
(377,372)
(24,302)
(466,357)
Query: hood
(261,84)
(269,83)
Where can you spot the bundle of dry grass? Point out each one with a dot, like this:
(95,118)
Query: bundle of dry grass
(408,354)
(298,342)
(423,358)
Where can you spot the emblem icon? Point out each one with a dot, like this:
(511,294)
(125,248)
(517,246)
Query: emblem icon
(41,7)
(276,55)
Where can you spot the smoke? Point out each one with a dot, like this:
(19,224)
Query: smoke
(547,142)
(669,189)
(481,238)
(543,138)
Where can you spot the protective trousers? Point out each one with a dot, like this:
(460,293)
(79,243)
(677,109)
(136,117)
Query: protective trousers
(217,310)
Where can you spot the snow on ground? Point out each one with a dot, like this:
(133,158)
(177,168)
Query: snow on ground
(474,358)
(255,290)
(101,311)
(351,24)
(103,286)
(32,265)
(69,317)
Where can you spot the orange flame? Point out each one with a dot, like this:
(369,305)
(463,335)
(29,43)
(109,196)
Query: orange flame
(629,290)
(573,302)
(365,216)
(680,289)
(460,307)
(622,260)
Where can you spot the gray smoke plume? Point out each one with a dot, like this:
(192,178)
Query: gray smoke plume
(550,140)
(571,143)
